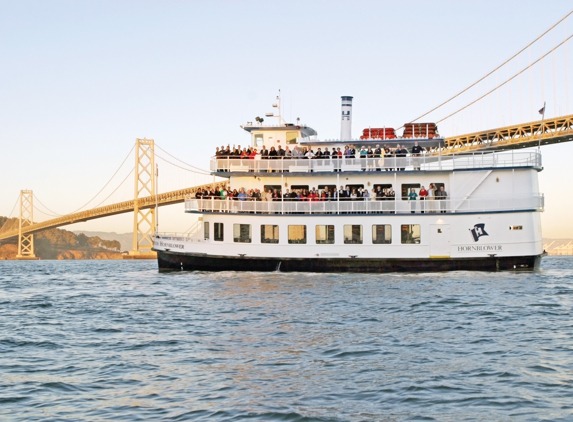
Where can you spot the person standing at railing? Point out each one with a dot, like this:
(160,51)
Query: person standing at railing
(377,157)
(296,153)
(389,158)
(412,198)
(431,196)
(442,196)
(401,152)
(370,156)
(423,194)
(264,153)
(363,156)
(416,152)
(391,196)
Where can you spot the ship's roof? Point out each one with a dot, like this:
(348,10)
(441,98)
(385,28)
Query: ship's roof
(407,142)
(304,130)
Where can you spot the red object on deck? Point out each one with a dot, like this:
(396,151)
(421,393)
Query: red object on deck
(420,130)
(379,133)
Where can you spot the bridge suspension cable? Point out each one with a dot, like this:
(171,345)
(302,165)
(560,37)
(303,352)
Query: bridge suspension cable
(199,170)
(115,190)
(54,214)
(508,80)
(108,182)
(203,172)
(493,71)
(9,215)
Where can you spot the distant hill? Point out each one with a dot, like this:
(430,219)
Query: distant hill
(61,244)
(125,239)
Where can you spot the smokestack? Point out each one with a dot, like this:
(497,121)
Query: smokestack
(346,122)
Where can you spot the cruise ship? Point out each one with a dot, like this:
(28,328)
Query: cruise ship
(390,201)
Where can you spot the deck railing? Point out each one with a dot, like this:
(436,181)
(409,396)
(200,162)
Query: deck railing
(425,162)
(369,206)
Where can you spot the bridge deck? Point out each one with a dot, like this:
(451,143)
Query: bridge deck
(550,131)
(167,198)
(555,130)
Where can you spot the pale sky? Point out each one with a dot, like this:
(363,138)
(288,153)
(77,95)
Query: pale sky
(79,81)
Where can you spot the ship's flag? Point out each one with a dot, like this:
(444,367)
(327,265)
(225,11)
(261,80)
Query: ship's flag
(478,231)
(542,110)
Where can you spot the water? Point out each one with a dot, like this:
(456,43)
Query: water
(109,340)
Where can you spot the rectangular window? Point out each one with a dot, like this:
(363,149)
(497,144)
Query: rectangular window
(297,187)
(297,234)
(406,189)
(242,233)
(410,233)
(353,234)
(272,188)
(291,137)
(206,230)
(515,227)
(381,234)
(269,234)
(218,231)
(382,186)
(259,141)
(325,235)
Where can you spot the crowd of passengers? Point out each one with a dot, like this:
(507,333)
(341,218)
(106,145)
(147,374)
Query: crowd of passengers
(348,151)
(326,194)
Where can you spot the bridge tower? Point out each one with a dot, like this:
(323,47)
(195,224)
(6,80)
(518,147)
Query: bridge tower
(143,219)
(26,241)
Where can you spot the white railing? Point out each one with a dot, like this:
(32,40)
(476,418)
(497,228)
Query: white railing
(423,162)
(369,206)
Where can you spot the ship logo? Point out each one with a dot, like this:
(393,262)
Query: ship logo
(478,231)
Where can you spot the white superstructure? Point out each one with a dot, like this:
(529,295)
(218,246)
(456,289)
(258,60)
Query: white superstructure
(488,217)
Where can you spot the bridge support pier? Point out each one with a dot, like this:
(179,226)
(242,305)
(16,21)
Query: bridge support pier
(143,219)
(26,241)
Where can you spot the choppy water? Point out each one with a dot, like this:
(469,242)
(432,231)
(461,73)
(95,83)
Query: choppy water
(109,340)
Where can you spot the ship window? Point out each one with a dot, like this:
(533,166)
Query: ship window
(206,230)
(291,137)
(332,188)
(353,234)
(324,235)
(381,234)
(242,233)
(259,140)
(269,234)
(272,188)
(410,233)
(515,227)
(296,234)
(354,187)
(218,231)
(406,189)
(301,187)
(382,186)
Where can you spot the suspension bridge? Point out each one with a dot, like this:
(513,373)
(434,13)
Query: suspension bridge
(146,198)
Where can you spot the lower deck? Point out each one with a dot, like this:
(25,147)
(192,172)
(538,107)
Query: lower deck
(363,237)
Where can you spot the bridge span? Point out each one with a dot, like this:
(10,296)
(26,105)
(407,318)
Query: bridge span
(526,135)
(148,202)
(544,132)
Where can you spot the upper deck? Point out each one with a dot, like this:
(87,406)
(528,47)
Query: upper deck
(229,165)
